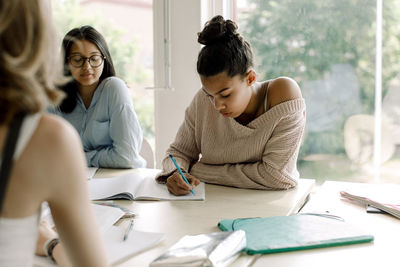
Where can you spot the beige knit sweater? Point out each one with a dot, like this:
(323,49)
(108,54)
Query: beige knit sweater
(219,150)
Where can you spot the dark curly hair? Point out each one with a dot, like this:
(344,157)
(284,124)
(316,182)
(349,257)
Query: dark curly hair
(224,49)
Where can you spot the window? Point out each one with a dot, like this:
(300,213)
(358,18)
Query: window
(127,26)
(329,48)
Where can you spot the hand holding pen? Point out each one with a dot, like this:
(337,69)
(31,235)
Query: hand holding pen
(180,183)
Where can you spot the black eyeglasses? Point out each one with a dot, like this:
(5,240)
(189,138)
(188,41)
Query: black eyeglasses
(78,60)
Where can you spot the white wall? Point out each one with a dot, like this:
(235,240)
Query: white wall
(170,105)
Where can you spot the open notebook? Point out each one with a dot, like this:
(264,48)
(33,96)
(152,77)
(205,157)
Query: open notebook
(136,186)
(106,216)
(117,249)
(384,197)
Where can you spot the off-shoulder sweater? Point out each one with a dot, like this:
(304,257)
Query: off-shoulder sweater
(219,150)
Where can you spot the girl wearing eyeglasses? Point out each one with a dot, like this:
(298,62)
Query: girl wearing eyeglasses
(98,104)
(36,148)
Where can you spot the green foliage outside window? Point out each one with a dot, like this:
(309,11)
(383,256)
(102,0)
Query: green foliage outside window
(306,39)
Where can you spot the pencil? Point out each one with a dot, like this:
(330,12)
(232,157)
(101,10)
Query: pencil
(180,172)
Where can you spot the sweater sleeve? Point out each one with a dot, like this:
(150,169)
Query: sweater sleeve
(276,170)
(184,148)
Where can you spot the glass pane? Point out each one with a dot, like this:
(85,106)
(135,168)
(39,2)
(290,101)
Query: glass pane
(328,47)
(127,27)
(390,170)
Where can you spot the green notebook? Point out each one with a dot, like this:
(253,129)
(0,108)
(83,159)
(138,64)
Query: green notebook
(300,231)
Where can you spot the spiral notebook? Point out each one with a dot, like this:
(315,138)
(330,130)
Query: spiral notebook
(296,232)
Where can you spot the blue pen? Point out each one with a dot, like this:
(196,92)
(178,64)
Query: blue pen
(180,172)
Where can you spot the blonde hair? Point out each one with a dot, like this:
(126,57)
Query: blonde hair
(30,62)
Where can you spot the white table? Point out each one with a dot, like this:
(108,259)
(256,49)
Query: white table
(179,218)
(385,228)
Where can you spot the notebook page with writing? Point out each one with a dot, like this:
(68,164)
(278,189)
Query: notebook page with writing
(136,186)
(150,189)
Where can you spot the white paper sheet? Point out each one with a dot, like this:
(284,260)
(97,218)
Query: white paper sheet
(117,249)
(91,172)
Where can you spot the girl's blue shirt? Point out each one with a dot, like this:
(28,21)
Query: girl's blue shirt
(109,129)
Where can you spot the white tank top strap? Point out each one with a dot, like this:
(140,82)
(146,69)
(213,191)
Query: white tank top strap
(28,127)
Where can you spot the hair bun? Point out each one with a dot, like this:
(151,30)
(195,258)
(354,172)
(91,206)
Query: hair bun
(217,30)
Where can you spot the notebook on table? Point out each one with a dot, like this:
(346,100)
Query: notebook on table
(384,197)
(117,249)
(135,186)
(296,232)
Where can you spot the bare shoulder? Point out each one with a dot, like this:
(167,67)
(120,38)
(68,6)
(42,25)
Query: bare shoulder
(282,89)
(52,158)
(54,133)
(59,145)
